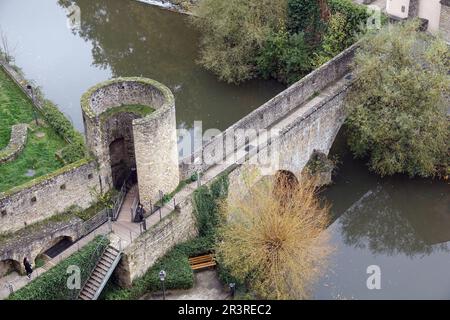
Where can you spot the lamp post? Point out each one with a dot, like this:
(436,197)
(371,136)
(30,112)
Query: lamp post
(30,88)
(162,277)
(232,290)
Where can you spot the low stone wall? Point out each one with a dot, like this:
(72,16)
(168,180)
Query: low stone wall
(445,21)
(45,196)
(155,243)
(16,143)
(273,110)
(30,243)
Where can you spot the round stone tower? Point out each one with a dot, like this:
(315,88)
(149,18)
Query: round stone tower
(130,125)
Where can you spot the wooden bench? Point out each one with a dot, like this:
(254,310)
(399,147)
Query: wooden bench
(202,262)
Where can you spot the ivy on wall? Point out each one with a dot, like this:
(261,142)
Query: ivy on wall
(76,148)
(52,285)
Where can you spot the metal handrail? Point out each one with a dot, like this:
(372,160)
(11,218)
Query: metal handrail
(99,218)
(121,197)
(96,256)
(119,201)
(134,208)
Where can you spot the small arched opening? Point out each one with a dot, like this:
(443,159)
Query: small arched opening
(285,179)
(284,185)
(53,248)
(8,266)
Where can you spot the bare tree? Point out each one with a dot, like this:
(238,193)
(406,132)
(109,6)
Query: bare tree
(275,238)
(5,48)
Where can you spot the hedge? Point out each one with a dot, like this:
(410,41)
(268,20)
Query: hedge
(76,148)
(52,285)
(356,14)
(176,262)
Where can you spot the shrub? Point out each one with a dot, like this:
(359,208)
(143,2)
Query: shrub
(284,57)
(275,238)
(207,201)
(76,149)
(233,32)
(308,17)
(73,151)
(52,285)
(356,15)
(338,37)
(398,102)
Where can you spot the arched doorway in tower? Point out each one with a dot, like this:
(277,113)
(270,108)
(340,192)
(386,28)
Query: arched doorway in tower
(121,161)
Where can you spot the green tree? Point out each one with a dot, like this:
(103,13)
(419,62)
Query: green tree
(308,16)
(284,57)
(398,102)
(338,37)
(233,32)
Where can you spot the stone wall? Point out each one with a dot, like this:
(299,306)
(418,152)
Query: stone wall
(315,130)
(151,140)
(31,244)
(156,155)
(45,196)
(272,111)
(445,21)
(142,254)
(16,143)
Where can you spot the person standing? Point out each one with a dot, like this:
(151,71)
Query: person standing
(28,267)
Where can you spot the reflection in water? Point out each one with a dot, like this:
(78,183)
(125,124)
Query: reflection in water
(133,39)
(401,225)
(377,222)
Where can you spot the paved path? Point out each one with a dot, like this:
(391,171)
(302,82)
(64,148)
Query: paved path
(207,286)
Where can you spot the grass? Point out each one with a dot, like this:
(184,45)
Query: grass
(39,153)
(137,109)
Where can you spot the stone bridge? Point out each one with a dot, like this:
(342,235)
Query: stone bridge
(302,119)
(305,118)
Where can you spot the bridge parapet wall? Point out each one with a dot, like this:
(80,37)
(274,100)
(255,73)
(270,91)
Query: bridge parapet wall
(270,112)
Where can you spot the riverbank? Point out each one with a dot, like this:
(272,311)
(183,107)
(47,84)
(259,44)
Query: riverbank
(180,6)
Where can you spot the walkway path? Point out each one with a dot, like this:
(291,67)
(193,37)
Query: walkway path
(207,286)
(18,281)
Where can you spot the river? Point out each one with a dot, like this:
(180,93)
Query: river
(399,224)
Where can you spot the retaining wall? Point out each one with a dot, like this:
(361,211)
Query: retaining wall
(45,196)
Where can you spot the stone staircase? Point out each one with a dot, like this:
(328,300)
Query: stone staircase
(101,274)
